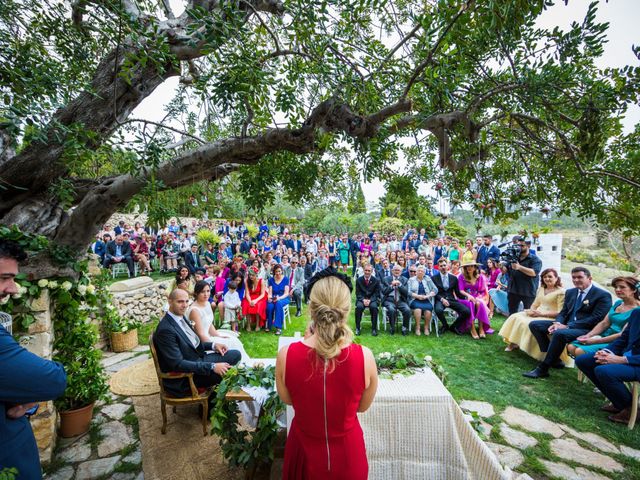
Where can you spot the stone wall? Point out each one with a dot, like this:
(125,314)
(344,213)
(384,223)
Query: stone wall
(140,298)
(39,340)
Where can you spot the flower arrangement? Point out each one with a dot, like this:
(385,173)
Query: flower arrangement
(113,322)
(406,363)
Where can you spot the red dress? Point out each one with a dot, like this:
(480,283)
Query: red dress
(318,449)
(259,308)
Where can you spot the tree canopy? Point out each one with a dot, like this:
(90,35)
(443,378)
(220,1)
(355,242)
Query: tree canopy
(293,95)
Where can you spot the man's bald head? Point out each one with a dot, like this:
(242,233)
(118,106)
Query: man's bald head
(178,302)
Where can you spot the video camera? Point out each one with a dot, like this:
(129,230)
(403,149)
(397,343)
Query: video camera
(511,254)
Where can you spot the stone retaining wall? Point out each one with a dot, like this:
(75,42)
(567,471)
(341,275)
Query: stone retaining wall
(140,298)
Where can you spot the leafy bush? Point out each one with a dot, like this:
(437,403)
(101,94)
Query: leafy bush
(389,225)
(207,236)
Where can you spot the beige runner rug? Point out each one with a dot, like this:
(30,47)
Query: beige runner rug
(183,452)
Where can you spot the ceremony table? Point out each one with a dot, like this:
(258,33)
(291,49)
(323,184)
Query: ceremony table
(415,429)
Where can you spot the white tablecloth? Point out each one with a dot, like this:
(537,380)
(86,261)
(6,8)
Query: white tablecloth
(415,430)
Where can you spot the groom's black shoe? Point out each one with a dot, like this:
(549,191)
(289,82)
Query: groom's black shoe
(374,333)
(559,364)
(357,331)
(537,372)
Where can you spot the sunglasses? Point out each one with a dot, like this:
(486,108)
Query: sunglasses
(413,271)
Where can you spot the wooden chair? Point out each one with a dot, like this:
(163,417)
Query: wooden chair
(198,395)
(635,392)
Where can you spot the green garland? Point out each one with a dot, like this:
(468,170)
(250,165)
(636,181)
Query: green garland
(406,363)
(240,447)
(75,334)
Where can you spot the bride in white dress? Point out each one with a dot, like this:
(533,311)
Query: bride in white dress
(201,314)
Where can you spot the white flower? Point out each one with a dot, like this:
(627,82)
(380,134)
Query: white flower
(53,284)
(427,358)
(82,289)
(16,296)
(125,328)
(385,355)
(22,290)
(43,283)
(91,289)
(66,285)
(110,307)
(4,300)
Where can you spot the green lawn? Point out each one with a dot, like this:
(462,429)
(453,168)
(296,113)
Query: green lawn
(482,370)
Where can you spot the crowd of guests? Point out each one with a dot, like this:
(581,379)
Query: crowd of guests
(407,280)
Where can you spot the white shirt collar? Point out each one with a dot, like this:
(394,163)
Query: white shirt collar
(177,318)
(586,290)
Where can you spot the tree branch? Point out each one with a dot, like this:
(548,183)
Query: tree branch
(425,63)
(167,127)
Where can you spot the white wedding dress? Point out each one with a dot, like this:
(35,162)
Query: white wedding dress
(233,342)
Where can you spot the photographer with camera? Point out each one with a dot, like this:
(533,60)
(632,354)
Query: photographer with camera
(524,268)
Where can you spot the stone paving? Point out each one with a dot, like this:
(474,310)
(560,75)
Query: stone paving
(515,426)
(111,448)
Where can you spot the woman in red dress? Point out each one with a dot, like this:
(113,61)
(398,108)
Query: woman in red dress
(254,302)
(328,380)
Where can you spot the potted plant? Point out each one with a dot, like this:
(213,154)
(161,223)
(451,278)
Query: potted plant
(123,332)
(75,348)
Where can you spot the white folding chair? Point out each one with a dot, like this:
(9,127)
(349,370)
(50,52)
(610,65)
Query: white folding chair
(286,316)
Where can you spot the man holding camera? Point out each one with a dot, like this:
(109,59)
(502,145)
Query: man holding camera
(523,277)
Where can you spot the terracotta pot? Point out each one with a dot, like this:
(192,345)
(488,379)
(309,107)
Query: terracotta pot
(75,422)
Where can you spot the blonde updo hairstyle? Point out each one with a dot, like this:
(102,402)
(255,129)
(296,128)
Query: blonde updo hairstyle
(329,306)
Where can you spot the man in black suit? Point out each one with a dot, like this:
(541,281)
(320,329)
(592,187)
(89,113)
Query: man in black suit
(609,368)
(192,259)
(367,296)
(119,251)
(584,306)
(448,296)
(383,270)
(180,350)
(394,295)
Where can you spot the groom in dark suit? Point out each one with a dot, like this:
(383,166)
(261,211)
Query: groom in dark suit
(180,350)
(584,306)
(609,368)
(448,296)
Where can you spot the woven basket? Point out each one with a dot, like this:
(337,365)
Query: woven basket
(123,342)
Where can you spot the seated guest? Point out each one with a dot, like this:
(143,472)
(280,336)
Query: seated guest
(254,303)
(100,247)
(322,261)
(421,294)
(449,296)
(469,254)
(498,295)
(296,284)
(141,254)
(584,306)
(278,297)
(181,350)
(610,329)
(192,259)
(473,287)
(170,253)
(609,368)
(367,296)
(209,255)
(492,271)
(183,280)
(119,251)
(394,297)
(455,267)
(547,304)
(382,270)
(315,449)
(429,269)
(200,314)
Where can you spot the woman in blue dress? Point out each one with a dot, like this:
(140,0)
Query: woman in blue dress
(627,290)
(278,295)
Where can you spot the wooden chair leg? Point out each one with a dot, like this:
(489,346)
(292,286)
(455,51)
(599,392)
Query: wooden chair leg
(163,407)
(634,405)
(580,376)
(205,413)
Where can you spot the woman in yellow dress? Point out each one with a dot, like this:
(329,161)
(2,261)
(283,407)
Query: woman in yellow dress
(546,306)
(470,254)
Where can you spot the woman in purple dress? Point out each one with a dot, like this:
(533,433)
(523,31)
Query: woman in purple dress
(473,286)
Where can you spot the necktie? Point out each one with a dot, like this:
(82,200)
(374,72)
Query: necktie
(193,338)
(291,280)
(576,307)
(395,293)
(445,281)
